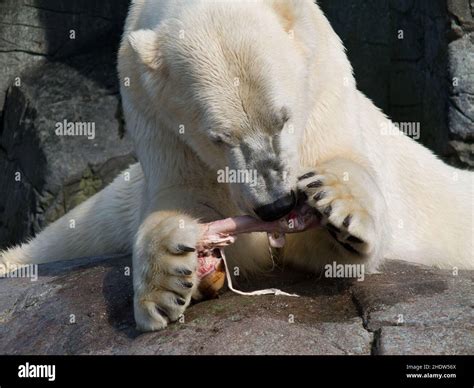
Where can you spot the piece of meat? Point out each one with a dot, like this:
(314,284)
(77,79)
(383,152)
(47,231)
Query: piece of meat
(221,233)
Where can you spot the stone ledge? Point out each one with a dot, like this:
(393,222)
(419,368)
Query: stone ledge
(85,307)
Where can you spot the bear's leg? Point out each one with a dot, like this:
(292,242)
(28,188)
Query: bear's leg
(351,206)
(164,268)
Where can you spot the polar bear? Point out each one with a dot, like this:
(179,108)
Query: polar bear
(255,85)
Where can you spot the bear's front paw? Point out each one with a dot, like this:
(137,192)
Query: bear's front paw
(167,278)
(344,216)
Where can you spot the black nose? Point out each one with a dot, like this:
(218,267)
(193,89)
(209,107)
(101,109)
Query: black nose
(278,209)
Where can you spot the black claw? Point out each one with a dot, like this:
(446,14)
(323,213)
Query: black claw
(302,197)
(306,176)
(349,248)
(184,271)
(186,284)
(347,221)
(318,214)
(333,228)
(319,196)
(185,248)
(180,301)
(354,239)
(327,212)
(314,184)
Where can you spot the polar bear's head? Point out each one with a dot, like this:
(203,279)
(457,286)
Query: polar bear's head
(235,76)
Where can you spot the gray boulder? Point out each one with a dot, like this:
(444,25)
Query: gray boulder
(418,310)
(48,172)
(462,17)
(33,30)
(461,102)
(85,307)
(462,99)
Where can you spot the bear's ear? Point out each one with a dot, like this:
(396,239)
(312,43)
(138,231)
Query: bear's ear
(145,44)
(288,11)
(297,17)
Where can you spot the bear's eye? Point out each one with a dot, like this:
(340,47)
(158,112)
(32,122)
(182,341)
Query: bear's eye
(217,140)
(221,139)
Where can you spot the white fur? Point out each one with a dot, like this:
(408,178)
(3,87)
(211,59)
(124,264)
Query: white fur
(182,59)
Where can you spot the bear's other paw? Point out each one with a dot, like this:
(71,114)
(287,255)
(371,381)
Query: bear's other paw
(346,217)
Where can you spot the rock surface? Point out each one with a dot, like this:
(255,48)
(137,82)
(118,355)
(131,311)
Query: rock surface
(57,62)
(461,102)
(462,17)
(85,307)
(461,68)
(418,310)
(34,30)
(47,173)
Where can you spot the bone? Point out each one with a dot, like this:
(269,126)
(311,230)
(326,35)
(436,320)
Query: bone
(218,234)
(221,233)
